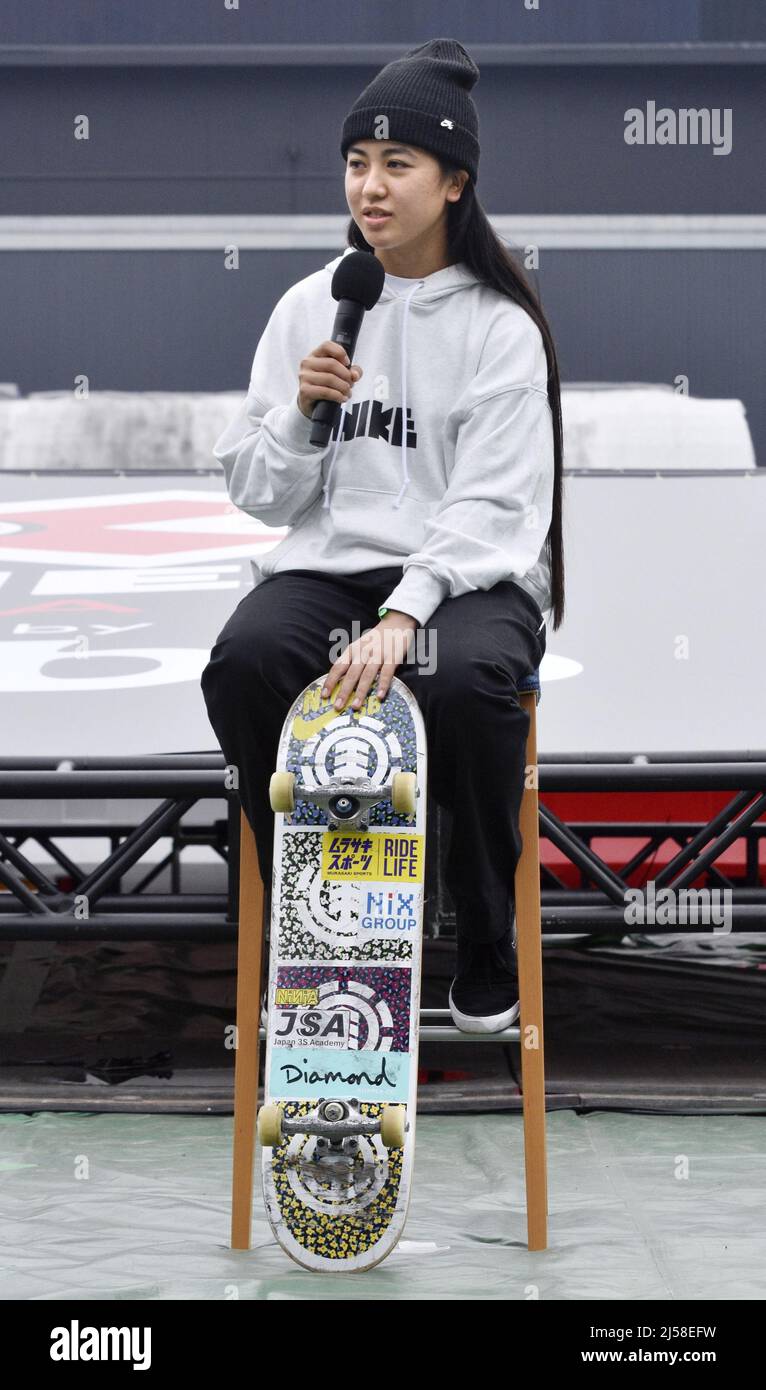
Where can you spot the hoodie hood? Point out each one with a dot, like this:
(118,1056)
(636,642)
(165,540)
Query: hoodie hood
(421,295)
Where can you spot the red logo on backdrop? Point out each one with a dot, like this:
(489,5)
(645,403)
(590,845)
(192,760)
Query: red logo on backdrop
(172,527)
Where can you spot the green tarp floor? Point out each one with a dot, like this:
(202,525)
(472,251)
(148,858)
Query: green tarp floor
(128,1206)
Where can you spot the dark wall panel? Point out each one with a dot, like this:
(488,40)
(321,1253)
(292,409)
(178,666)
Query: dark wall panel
(179,322)
(263,140)
(304,21)
(207,139)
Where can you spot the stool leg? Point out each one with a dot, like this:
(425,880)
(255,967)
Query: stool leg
(530,963)
(247,1055)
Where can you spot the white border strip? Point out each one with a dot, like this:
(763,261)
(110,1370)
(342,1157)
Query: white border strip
(284,232)
(236,54)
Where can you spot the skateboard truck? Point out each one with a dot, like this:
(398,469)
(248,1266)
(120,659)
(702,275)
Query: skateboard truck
(334,1122)
(346,800)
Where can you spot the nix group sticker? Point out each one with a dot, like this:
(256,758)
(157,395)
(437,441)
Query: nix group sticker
(387,912)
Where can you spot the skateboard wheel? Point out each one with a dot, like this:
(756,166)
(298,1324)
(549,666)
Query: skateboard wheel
(404,793)
(270,1125)
(392,1126)
(281,791)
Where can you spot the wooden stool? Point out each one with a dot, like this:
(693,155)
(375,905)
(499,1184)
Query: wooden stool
(247,1059)
(529,955)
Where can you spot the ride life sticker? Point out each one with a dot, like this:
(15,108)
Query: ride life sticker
(385,857)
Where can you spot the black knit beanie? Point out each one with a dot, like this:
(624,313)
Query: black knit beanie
(425,96)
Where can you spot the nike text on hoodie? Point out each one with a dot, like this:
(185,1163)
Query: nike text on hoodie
(461,497)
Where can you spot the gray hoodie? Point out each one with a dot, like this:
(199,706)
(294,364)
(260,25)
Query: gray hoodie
(461,498)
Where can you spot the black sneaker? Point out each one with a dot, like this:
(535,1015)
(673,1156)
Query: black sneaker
(484,993)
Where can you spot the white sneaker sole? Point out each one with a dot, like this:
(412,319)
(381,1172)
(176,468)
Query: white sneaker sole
(488,1023)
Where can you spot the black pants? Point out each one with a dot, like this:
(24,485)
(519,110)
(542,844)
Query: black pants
(279,639)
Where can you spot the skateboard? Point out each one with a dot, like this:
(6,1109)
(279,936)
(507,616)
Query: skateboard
(337,1126)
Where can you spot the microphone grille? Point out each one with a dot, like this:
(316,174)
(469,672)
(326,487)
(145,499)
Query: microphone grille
(359,276)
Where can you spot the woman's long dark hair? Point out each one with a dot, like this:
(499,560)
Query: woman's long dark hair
(472,239)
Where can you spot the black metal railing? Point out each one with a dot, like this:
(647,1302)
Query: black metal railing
(72,901)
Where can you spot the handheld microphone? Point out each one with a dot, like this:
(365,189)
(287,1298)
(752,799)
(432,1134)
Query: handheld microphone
(357,284)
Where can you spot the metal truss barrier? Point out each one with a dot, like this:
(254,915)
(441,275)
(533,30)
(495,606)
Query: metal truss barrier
(95,904)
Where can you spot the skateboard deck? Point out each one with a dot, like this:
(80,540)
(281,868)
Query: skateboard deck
(340,1085)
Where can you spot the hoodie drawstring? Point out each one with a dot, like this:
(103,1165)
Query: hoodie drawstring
(403,354)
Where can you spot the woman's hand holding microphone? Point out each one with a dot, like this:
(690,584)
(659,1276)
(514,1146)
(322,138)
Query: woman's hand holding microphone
(325,375)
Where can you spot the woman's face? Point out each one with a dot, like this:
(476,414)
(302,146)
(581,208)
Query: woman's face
(403,181)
